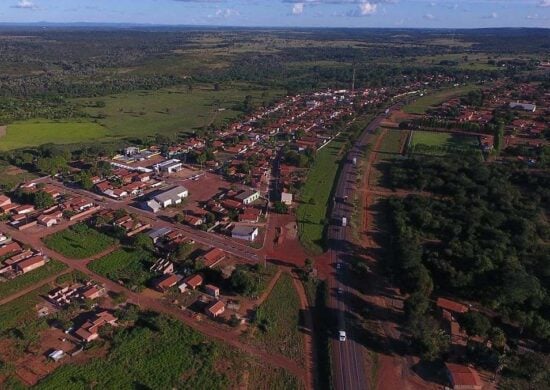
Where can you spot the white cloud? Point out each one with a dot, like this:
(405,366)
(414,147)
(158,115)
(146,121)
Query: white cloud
(544,3)
(429,16)
(25,4)
(367,8)
(297,8)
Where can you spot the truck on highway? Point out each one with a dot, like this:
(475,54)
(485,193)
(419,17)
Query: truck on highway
(355,161)
(344,221)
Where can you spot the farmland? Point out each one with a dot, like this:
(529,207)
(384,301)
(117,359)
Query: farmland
(79,242)
(129,265)
(35,133)
(278,320)
(315,196)
(421,105)
(12,286)
(440,144)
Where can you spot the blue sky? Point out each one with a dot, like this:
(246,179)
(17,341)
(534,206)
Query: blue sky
(307,13)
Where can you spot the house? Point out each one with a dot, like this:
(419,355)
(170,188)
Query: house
(89,331)
(25,209)
(523,106)
(212,290)
(48,220)
(192,220)
(286,198)
(463,377)
(248,196)
(250,215)
(247,233)
(30,264)
(451,306)
(57,355)
(166,282)
(93,292)
(10,248)
(4,200)
(169,166)
(215,309)
(151,205)
(191,282)
(172,196)
(213,257)
(158,234)
(163,266)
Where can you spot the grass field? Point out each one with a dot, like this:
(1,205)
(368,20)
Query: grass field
(21,310)
(127,264)
(34,133)
(315,196)
(79,242)
(172,110)
(440,144)
(156,353)
(421,105)
(12,286)
(278,319)
(392,141)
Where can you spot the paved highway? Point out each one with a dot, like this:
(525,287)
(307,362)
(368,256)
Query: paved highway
(349,364)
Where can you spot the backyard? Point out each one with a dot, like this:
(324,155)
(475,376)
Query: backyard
(315,196)
(79,241)
(278,320)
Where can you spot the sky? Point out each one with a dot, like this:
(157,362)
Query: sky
(285,13)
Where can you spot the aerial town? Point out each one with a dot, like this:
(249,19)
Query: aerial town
(353,233)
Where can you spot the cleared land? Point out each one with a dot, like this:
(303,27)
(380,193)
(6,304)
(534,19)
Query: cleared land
(315,196)
(128,265)
(421,105)
(79,241)
(21,282)
(35,133)
(172,110)
(160,353)
(440,144)
(278,320)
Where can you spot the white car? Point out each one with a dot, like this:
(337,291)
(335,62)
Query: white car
(342,335)
(340,291)
(338,265)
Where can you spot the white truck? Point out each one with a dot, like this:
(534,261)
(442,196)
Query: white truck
(344,221)
(342,335)
(355,161)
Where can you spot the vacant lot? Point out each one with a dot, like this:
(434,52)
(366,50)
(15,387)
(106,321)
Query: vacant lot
(79,242)
(278,319)
(172,110)
(21,310)
(128,265)
(34,133)
(12,286)
(315,196)
(440,144)
(421,105)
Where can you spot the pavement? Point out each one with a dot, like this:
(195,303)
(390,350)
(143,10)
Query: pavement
(349,363)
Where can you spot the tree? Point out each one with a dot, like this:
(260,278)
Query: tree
(280,208)
(243,282)
(476,324)
(43,200)
(143,241)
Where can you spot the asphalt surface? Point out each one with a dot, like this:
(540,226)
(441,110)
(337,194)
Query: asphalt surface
(349,364)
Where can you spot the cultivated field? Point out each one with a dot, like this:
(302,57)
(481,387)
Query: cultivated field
(79,242)
(278,320)
(440,144)
(128,265)
(35,133)
(315,196)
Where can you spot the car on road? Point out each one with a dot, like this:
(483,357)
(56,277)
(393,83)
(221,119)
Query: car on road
(342,335)
(338,265)
(340,291)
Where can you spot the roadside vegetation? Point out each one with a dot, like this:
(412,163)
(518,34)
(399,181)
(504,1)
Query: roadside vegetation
(315,195)
(79,241)
(278,321)
(21,282)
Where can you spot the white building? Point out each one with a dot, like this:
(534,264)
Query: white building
(247,233)
(248,196)
(523,106)
(169,166)
(286,198)
(171,197)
